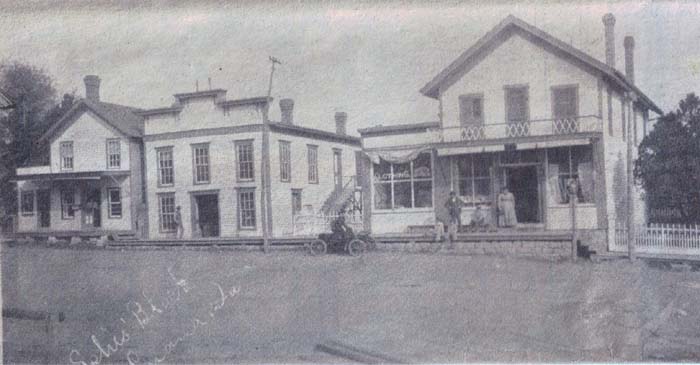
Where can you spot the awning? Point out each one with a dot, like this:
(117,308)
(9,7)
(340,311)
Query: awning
(397,157)
(70,176)
(462,150)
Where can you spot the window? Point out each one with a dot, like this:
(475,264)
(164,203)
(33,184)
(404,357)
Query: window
(200,159)
(517,109)
(571,163)
(165,166)
(67,203)
(312,157)
(473,178)
(404,185)
(285,161)
(296,201)
(27,203)
(565,102)
(471,109)
(66,151)
(114,197)
(246,209)
(167,212)
(244,156)
(113,154)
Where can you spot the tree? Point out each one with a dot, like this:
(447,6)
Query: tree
(32,91)
(668,165)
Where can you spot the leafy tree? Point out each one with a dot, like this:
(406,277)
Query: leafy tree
(32,91)
(668,165)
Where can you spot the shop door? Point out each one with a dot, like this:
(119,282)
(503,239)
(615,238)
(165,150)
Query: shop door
(43,207)
(92,217)
(522,181)
(208,214)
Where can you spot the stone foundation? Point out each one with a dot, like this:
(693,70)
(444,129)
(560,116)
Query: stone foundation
(543,249)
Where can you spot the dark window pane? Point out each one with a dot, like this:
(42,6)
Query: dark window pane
(382,196)
(424,194)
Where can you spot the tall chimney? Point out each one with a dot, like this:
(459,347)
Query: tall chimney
(287,111)
(92,87)
(609,22)
(341,119)
(629,58)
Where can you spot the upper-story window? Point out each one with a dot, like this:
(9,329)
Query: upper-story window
(114,157)
(517,99)
(165,166)
(312,157)
(285,161)
(200,154)
(66,152)
(565,102)
(471,109)
(244,156)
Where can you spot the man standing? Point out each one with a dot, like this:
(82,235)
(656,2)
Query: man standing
(178,223)
(454,209)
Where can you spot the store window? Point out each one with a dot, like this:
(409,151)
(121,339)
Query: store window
(27,202)
(473,177)
(404,185)
(574,162)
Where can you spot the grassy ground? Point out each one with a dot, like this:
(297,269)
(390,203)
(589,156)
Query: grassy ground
(231,306)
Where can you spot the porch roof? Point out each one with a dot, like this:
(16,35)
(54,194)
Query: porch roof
(524,143)
(83,175)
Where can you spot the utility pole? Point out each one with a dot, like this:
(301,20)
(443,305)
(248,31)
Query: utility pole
(265,194)
(630,181)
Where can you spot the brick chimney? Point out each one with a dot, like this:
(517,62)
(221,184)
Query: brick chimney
(341,120)
(629,58)
(287,111)
(609,22)
(92,87)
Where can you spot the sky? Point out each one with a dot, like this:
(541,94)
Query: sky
(367,59)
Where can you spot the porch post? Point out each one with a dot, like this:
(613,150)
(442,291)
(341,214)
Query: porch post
(572,187)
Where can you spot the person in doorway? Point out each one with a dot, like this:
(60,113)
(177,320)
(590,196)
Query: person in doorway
(180,230)
(506,209)
(454,209)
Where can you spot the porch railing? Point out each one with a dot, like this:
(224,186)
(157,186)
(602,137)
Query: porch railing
(313,224)
(542,127)
(670,239)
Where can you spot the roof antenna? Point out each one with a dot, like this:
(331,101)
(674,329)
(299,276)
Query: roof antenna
(209,78)
(196,85)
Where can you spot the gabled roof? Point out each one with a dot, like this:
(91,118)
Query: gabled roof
(512,23)
(313,133)
(123,118)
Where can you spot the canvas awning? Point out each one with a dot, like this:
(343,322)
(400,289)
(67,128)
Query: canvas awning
(397,157)
(449,151)
(70,176)
(462,150)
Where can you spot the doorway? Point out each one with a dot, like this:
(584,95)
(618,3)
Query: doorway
(522,181)
(206,217)
(92,217)
(43,207)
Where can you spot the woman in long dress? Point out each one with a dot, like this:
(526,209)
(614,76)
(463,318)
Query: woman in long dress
(506,209)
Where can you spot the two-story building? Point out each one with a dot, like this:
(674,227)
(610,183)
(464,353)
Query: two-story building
(93,184)
(519,109)
(204,156)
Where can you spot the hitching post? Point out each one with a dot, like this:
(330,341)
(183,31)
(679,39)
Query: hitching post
(572,187)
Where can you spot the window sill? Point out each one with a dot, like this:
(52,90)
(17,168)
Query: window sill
(247,228)
(578,205)
(27,214)
(113,217)
(201,183)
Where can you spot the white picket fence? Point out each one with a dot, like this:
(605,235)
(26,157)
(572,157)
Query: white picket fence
(313,224)
(669,239)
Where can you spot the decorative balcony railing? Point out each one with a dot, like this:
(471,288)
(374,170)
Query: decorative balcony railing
(532,128)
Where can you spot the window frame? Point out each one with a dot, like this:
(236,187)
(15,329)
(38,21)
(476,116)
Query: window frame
(118,154)
(470,120)
(111,203)
(240,209)
(285,160)
(63,146)
(160,169)
(66,207)
(510,88)
(312,174)
(248,143)
(412,180)
(301,201)
(195,164)
(473,178)
(556,88)
(161,215)
(22,195)
(569,175)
